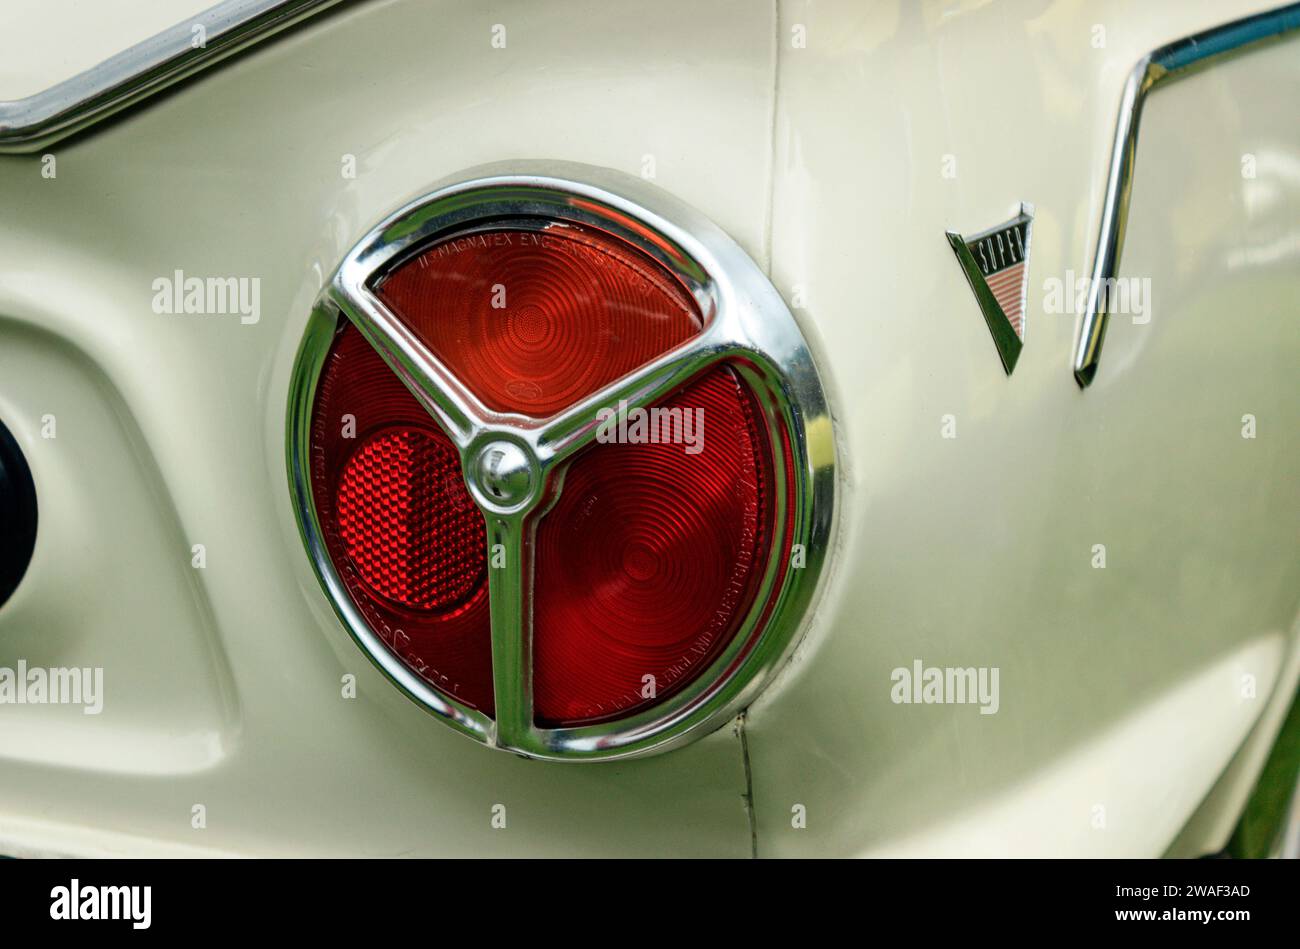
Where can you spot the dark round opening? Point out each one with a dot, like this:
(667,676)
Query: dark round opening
(17,514)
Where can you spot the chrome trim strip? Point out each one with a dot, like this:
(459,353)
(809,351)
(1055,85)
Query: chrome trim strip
(1153,71)
(746,323)
(145,69)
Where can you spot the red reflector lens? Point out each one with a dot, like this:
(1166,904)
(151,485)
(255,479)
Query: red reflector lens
(532,321)
(409,538)
(399,525)
(651,558)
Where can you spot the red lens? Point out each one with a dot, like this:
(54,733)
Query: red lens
(398,522)
(531,321)
(651,558)
(407,536)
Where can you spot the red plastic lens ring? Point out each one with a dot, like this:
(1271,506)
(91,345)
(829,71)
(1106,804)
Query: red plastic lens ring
(532,321)
(398,523)
(651,559)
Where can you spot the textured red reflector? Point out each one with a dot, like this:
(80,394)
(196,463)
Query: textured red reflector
(409,538)
(532,321)
(650,559)
(398,522)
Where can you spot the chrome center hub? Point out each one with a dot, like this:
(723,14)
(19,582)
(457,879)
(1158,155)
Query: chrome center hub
(503,474)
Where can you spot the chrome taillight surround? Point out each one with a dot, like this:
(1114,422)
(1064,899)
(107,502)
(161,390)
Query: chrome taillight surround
(746,323)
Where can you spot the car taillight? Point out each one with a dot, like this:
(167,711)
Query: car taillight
(557,460)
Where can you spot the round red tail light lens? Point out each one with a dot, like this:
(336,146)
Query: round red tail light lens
(553,465)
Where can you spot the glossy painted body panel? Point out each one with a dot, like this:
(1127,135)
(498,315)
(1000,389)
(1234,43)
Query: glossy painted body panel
(44,42)
(1120,688)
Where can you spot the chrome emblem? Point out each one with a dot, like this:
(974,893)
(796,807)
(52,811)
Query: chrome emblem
(996,263)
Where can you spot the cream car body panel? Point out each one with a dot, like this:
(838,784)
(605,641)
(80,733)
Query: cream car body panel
(45,42)
(1121,689)
(835,142)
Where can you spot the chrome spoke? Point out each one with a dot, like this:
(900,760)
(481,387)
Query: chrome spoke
(509,592)
(576,427)
(440,394)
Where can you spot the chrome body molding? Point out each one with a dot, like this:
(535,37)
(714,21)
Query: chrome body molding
(1154,70)
(746,324)
(145,69)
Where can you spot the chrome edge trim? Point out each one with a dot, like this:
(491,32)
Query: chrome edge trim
(1156,69)
(145,69)
(747,323)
